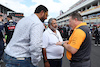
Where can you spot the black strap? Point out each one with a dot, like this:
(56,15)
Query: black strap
(81,60)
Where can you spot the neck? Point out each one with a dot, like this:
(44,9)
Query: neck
(79,22)
(38,15)
(54,31)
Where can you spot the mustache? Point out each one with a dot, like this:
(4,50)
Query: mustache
(56,26)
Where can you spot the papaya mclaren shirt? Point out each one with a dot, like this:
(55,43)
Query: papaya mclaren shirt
(81,40)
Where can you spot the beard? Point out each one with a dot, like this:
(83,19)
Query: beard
(42,18)
(53,28)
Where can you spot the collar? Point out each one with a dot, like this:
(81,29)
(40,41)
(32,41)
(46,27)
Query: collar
(36,17)
(50,31)
(81,24)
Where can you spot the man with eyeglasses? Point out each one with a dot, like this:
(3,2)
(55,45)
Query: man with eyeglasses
(25,47)
(52,53)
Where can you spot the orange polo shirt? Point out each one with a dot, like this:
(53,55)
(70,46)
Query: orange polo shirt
(76,39)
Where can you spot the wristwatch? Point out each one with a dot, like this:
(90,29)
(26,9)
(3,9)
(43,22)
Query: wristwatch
(63,43)
(45,61)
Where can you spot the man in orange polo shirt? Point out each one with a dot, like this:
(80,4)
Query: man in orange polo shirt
(79,44)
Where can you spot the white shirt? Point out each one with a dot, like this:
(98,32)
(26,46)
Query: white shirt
(27,39)
(49,42)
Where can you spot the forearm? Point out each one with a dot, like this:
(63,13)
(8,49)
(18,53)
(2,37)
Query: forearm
(70,48)
(67,46)
(44,54)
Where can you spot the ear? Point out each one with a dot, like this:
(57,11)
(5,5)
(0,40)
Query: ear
(75,19)
(42,13)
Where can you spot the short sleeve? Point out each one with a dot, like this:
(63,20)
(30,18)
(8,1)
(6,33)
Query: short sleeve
(77,39)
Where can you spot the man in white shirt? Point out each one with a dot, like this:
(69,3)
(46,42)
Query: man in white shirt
(52,53)
(25,47)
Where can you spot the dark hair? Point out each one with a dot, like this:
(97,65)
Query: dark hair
(40,8)
(76,15)
(9,16)
(0,15)
(50,20)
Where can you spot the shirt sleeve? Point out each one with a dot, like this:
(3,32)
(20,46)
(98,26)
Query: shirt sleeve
(78,38)
(36,33)
(45,40)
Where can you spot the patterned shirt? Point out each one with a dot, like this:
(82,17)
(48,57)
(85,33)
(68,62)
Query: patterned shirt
(27,39)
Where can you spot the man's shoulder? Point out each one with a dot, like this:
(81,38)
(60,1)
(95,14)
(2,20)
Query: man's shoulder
(31,21)
(78,31)
(25,20)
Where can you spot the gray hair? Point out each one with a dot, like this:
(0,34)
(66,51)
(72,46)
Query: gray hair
(50,20)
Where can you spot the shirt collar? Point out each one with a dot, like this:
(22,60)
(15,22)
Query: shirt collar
(50,31)
(38,19)
(81,24)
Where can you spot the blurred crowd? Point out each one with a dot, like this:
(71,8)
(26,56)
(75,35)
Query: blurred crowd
(7,26)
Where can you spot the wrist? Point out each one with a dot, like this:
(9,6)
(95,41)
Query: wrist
(45,61)
(62,43)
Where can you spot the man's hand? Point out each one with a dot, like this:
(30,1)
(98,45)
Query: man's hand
(4,40)
(60,43)
(47,64)
(66,42)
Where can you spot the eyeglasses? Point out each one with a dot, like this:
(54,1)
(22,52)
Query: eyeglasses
(53,23)
(46,14)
